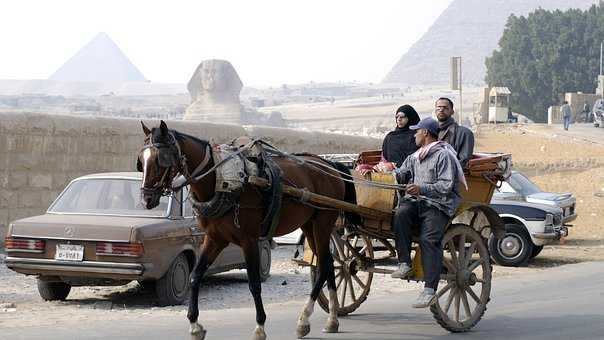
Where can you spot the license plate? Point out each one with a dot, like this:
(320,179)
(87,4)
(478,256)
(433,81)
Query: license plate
(69,252)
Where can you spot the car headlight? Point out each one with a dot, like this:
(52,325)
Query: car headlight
(549,219)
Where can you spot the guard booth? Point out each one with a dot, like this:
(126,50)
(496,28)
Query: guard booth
(499,104)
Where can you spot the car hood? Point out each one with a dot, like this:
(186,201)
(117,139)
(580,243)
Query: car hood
(548,198)
(79,227)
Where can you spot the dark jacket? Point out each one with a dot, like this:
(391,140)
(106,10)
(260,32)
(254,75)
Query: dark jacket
(398,145)
(461,139)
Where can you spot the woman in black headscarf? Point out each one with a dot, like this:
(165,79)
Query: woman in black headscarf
(400,143)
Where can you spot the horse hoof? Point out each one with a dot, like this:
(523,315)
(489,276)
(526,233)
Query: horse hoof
(331,327)
(259,334)
(197,332)
(302,331)
(199,336)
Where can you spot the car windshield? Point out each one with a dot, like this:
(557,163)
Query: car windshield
(522,184)
(107,196)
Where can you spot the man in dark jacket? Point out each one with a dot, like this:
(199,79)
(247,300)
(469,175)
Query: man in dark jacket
(400,143)
(460,137)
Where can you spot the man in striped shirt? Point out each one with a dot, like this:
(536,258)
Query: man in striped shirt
(433,176)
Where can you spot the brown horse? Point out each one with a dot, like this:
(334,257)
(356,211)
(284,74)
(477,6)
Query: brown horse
(167,153)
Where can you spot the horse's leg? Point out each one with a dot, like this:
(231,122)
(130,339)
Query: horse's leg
(332,324)
(303,327)
(321,237)
(252,260)
(209,252)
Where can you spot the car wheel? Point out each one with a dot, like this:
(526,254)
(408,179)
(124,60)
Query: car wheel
(173,287)
(514,249)
(536,251)
(264,248)
(51,291)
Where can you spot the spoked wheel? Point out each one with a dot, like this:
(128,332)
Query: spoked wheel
(352,282)
(462,300)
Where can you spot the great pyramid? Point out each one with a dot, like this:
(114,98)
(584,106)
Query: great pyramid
(101,61)
(467,28)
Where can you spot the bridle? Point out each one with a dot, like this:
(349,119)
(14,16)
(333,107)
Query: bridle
(171,158)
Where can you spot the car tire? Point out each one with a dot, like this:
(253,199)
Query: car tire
(264,248)
(514,249)
(536,251)
(173,287)
(52,290)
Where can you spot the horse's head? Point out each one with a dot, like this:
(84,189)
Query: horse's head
(159,160)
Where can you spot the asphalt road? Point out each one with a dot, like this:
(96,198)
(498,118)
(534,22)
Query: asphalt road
(558,303)
(581,131)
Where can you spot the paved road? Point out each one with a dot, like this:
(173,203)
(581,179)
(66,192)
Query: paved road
(581,131)
(560,303)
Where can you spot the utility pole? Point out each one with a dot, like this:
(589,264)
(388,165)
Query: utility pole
(600,76)
(460,95)
(456,83)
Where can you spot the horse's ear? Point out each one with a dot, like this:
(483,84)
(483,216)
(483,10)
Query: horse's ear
(145,129)
(163,128)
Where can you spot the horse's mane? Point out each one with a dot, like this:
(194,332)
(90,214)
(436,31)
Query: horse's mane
(181,136)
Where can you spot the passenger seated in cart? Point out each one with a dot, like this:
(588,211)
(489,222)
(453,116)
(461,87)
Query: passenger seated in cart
(460,137)
(399,143)
(432,175)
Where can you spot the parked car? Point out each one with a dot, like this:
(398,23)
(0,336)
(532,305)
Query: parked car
(97,233)
(533,219)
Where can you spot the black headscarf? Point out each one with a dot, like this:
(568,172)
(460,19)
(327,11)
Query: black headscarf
(400,143)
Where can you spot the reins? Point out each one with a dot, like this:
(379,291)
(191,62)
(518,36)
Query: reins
(194,177)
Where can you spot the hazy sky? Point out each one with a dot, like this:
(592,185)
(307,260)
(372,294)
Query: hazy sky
(269,42)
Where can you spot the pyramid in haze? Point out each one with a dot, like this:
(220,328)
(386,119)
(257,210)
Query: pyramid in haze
(467,28)
(102,61)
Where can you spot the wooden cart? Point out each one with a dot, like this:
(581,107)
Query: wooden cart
(361,250)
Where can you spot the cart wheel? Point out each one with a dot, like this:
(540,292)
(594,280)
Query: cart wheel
(462,300)
(352,282)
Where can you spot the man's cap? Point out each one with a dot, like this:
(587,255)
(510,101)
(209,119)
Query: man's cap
(429,124)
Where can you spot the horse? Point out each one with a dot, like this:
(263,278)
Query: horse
(168,153)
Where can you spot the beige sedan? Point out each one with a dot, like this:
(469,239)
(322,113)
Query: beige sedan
(97,233)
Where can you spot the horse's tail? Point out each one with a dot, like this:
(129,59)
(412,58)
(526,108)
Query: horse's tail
(350,193)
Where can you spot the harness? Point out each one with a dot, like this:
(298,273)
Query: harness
(233,166)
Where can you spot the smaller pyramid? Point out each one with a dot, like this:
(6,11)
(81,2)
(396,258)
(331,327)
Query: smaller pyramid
(101,60)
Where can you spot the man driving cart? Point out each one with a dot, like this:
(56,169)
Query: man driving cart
(432,174)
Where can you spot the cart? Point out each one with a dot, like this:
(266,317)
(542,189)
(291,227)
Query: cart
(360,251)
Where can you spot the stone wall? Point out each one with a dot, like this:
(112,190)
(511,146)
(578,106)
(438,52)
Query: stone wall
(40,154)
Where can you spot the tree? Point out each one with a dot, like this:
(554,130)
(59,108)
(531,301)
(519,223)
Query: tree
(544,55)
